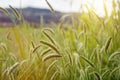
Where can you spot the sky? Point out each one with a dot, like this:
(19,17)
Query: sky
(60,5)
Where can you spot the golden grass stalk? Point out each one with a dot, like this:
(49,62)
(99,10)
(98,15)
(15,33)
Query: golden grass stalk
(45,51)
(49,37)
(17,37)
(90,63)
(108,44)
(51,56)
(50,45)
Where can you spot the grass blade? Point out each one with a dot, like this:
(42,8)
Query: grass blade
(113,55)
(98,76)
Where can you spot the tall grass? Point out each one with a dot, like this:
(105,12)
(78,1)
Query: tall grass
(87,50)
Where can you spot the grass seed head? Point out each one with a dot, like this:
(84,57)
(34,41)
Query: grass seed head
(15,12)
(49,6)
(50,45)
(36,48)
(49,37)
(12,68)
(4,10)
(50,56)
(90,63)
(33,45)
(45,51)
(108,44)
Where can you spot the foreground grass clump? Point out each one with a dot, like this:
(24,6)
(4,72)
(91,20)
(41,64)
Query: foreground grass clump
(87,48)
(81,51)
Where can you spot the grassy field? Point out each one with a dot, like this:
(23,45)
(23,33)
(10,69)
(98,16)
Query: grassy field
(86,49)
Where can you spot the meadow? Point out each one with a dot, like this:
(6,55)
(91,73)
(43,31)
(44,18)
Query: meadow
(86,49)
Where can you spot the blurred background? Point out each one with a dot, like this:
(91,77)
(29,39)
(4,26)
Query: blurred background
(33,10)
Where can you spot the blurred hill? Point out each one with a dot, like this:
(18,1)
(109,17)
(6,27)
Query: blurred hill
(34,15)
